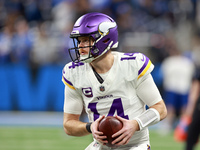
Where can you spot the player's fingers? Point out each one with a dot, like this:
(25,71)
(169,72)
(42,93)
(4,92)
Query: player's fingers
(104,142)
(125,140)
(95,124)
(101,139)
(96,132)
(120,132)
(120,118)
(100,118)
(99,135)
(122,141)
(119,139)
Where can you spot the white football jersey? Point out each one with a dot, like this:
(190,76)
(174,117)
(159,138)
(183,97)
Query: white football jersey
(115,96)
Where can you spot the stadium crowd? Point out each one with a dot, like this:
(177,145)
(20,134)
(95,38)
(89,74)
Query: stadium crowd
(34,38)
(37,31)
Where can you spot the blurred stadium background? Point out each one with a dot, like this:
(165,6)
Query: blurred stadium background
(34,38)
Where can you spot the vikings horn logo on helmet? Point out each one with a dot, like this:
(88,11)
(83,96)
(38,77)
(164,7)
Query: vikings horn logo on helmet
(105,26)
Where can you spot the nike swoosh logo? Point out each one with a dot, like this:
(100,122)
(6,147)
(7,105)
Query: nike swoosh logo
(142,58)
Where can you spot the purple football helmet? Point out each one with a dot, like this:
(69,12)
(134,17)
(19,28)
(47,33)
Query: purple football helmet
(100,27)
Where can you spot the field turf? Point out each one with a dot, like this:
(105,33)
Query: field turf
(54,138)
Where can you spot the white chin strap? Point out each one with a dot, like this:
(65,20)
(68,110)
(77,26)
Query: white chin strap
(85,59)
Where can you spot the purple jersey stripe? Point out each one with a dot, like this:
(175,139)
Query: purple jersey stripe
(67,81)
(144,66)
(63,71)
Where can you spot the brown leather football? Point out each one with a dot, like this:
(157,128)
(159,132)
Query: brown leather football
(110,125)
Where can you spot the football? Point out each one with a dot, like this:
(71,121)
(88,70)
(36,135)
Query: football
(110,125)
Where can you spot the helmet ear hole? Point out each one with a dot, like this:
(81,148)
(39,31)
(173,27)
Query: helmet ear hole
(106,41)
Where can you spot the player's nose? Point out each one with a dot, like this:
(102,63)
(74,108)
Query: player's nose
(81,44)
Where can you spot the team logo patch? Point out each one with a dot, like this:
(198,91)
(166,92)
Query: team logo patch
(148,147)
(96,144)
(102,88)
(87,92)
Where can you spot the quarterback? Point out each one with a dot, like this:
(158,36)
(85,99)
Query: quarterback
(109,83)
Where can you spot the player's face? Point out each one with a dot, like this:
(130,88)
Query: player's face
(84,43)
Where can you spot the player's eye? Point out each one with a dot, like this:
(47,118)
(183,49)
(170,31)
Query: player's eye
(86,41)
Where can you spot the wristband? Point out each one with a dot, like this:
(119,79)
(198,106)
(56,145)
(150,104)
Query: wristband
(148,118)
(88,125)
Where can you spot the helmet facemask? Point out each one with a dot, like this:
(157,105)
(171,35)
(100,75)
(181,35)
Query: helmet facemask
(75,55)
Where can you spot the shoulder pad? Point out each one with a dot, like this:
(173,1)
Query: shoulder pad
(69,71)
(136,65)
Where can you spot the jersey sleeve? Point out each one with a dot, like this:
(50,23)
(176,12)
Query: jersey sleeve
(148,91)
(146,87)
(66,76)
(73,103)
(135,66)
(144,65)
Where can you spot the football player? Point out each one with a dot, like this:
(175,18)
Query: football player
(108,83)
(188,128)
(194,127)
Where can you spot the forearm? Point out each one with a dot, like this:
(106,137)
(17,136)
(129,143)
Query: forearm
(193,97)
(148,92)
(75,128)
(161,108)
(153,115)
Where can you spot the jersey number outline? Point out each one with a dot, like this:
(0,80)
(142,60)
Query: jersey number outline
(131,56)
(116,106)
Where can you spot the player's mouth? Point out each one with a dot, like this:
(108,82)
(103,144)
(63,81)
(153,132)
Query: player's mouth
(83,52)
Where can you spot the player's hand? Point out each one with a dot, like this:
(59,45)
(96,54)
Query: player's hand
(124,135)
(96,133)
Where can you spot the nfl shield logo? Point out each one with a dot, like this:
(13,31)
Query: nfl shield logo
(102,88)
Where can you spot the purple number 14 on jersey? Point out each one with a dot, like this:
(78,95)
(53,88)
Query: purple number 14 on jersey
(115,107)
